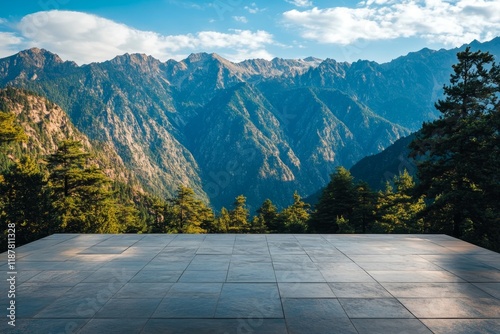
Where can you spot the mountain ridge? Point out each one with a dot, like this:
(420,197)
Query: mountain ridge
(300,118)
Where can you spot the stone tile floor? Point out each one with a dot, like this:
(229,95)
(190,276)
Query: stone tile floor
(72,283)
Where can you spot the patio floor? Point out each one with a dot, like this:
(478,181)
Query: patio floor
(73,283)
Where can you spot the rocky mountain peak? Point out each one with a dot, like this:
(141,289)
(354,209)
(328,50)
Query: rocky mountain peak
(139,61)
(39,58)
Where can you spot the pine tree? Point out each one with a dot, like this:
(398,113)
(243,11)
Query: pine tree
(222,222)
(239,216)
(459,168)
(294,218)
(363,214)
(267,214)
(9,130)
(81,192)
(25,202)
(188,214)
(258,225)
(337,200)
(397,208)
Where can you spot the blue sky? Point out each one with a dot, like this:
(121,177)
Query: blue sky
(90,31)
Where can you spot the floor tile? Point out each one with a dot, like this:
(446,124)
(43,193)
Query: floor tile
(305,290)
(493,289)
(452,307)
(128,308)
(359,290)
(156,276)
(384,308)
(320,326)
(63,276)
(347,276)
(143,290)
(388,326)
(313,309)
(415,276)
(194,289)
(463,326)
(250,275)
(105,275)
(111,326)
(305,276)
(215,326)
(248,307)
(24,326)
(187,307)
(435,290)
(208,276)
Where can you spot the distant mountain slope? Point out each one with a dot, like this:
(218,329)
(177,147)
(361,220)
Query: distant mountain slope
(47,125)
(185,121)
(379,168)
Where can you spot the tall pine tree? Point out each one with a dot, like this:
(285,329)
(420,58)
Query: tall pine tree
(459,153)
(239,216)
(398,210)
(188,214)
(81,192)
(25,202)
(337,200)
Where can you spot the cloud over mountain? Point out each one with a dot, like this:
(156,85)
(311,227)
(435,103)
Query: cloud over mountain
(449,22)
(88,38)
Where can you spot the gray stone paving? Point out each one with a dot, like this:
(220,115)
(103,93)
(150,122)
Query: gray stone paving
(72,283)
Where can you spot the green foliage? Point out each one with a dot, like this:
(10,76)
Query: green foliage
(238,222)
(25,202)
(461,167)
(267,214)
(9,130)
(81,193)
(337,200)
(397,209)
(293,219)
(186,214)
(363,213)
(221,223)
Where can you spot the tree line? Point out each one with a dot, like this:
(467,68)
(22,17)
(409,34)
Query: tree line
(456,190)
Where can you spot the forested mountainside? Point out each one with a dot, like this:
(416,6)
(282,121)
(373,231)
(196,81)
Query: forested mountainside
(263,128)
(380,168)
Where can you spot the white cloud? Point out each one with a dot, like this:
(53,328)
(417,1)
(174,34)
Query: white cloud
(241,19)
(9,43)
(86,38)
(300,3)
(253,9)
(450,22)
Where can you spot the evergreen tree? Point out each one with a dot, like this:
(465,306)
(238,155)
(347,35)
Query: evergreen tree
(267,214)
(363,214)
(294,218)
(81,192)
(222,222)
(188,214)
(337,200)
(258,225)
(156,214)
(398,210)
(25,202)
(460,163)
(9,130)
(239,216)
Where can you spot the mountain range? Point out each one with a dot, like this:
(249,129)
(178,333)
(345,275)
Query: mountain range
(259,128)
